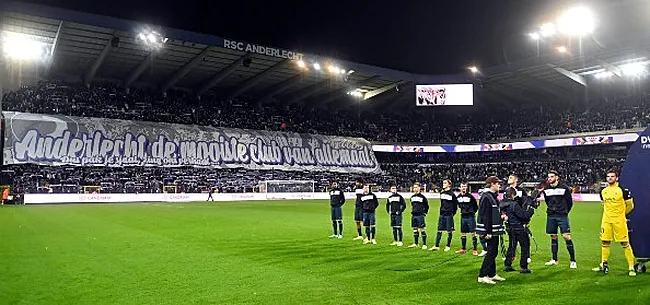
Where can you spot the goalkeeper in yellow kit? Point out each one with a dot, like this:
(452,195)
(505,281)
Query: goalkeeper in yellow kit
(617,203)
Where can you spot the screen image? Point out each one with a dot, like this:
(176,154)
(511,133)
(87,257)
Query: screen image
(444,95)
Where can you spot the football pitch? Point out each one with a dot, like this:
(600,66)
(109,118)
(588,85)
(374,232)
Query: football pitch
(276,252)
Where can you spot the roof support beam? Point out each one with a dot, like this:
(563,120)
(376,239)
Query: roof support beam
(222,74)
(55,45)
(609,67)
(135,74)
(181,72)
(281,87)
(503,91)
(555,90)
(345,86)
(90,74)
(247,84)
(309,91)
(572,76)
(381,90)
(336,93)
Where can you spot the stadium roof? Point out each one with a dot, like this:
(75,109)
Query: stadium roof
(92,47)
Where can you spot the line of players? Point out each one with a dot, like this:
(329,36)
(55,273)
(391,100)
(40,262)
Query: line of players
(367,203)
(515,209)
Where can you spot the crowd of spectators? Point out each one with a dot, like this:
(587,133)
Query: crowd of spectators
(582,174)
(111,101)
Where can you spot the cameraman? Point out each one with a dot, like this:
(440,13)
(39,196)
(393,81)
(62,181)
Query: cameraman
(518,214)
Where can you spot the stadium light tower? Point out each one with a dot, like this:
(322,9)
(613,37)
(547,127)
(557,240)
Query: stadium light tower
(473,69)
(562,49)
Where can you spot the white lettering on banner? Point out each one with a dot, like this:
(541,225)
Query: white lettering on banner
(358,191)
(163,145)
(262,50)
(554,192)
(201,197)
(367,197)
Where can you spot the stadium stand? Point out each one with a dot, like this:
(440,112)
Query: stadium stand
(111,101)
(582,168)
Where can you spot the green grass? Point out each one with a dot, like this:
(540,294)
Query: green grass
(274,252)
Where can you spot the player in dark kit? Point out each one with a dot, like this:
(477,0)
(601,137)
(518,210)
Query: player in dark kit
(419,210)
(358,211)
(210,192)
(395,206)
(337,200)
(559,203)
(468,208)
(369,204)
(448,208)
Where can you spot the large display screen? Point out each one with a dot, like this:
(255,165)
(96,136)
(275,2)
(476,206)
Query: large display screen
(444,95)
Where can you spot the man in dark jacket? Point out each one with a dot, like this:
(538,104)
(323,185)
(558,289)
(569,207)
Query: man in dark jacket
(395,206)
(489,225)
(518,216)
(337,199)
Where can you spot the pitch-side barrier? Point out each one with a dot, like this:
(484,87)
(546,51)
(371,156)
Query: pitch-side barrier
(194,197)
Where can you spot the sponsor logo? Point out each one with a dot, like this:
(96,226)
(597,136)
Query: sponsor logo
(242,196)
(178,197)
(645,142)
(97,197)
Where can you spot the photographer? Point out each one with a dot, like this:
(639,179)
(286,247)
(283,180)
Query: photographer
(518,214)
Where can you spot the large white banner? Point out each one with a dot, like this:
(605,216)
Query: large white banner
(57,140)
(444,95)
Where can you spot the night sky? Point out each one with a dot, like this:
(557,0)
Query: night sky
(422,36)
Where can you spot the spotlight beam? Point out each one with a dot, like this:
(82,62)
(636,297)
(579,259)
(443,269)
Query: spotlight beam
(90,74)
(221,75)
(55,45)
(137,72)
(178,75)
(249,83)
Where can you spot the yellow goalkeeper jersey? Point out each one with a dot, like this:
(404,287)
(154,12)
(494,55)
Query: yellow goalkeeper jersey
(617,202)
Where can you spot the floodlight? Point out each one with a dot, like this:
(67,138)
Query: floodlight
(577,21)
(356,93)
(151,39)
(562,49)
(23,46)
(633,69)
(343,71)
(333,69)
(547,29)
(301,64)
(473,69)
(604,74)
(317,66)
(534,36)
